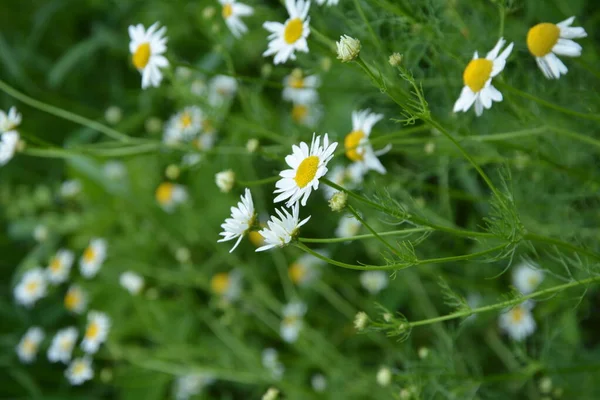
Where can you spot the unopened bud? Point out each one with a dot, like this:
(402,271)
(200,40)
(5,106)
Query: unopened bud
(338,201)
(172,172)
(225,180)
(347,48)
(395,59)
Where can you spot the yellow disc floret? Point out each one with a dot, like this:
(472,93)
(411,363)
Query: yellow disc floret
(89,255)
(219,283)
(164,192)
(351,143)
(141,56)
(477,73)
(72,299)
(227,10)
(517,315)
(92,330)
(185,119)
(299,112)
(293,31)
(297,272)
(307,170)
(542,38)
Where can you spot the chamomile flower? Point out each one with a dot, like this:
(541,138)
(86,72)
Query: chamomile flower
(357,145)
(227,285)
(307,167)
(374,281)
(70,188)
(60,266)
(270,360)
(526,277)
(292,321)
(518,321)
(221,89)
(280,231)
(287,38)
(242,219)
(27,348)
(96,331)
(62,345)
(31,288)
(147,48)
(318,383)
(132,282)
(348,227)
(184,126)
(225,180)
(9,121)
(477,78)
(76,299)
(301,89)
(79,371)
(114,170)
(546,41)
(306,269)
(169,195)
(9,142)
(232,11)
(329,3)
(190,385)
(93,257)
(306,114)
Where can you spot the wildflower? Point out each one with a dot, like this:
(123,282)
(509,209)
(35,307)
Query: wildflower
(518,321)
(307,166)
(348,177)
(270,360)
(147,48)
(328,2)
(227,286)
(93,258)
(348,227)
(546,40)
(184,126)
(70,188)
(182,254)
(132,282)
(348,48)
(271,394)
(198,87)
(545,384)
(9,142)
(170,195)
(114,170)
(291,325)
(60,266)
(285,39)
(252,145)
(40,233)
(190,385)
(31,288)
(305,269)
(113,115)
(306,114)
(242,219)
(221,89)
(338,201)
(384,376)
(96,331)
(477,78)
(79,371)
(423,353)
(374,281)
(76,299)
(318,383)
(357,145)
(395,59)
(232,12)
(9,121)
(360,320)
(62,345)
(280,231)
(30,342)
(301,89)
(225,180)
(526,277)
(208,12)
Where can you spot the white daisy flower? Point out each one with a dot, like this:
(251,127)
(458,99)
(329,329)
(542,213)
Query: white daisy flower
(306,269)
(318,383)
(225,180)
(227,285)
(518,321)
(358,147)
(60,266)
(27,348)
(242,219)
(93,257)
(477,78)
(546,40)
(348,227)
(9,121)
(280,231)
(292,321)
(306,114)
(349,178)
(147,48)
(169,195)
(374,281)
(70,188)
(79,371)
(62,345)
(221,89)
(132,282)
(40,233)
(307,167)
(114,170)
(526,277)
(270,360)
(301,89)
(285,39)
(9,142)
(31,288)
(232,12)
(96,331)
(190,385)
(76,299)
(329,3)
(184,126)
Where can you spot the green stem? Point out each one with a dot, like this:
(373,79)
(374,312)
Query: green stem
(259,181)
(575,135)
(367,236)
(544,239)
(362,221)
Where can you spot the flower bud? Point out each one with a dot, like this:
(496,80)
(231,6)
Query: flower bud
(360,320)
(347,48)
(395,59)
(384,376)
(225,180)
(338,201)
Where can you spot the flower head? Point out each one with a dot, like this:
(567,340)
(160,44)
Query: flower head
(31,288)
(360,320)
(70,188)
(232,11)
(62,345)
(306,269)
(306,114)
(96,331)
(357,145)
(287,38)
(221,89)
(477,78)
(318,383)
(9,121)
(76,299)
(147,48)
(93,257)
(30,342)
(282,229)
(270,360)
(546,40)
(374,281)
(79,371)
(60,266)
(526,277)
(301,89)
(384,376)
(338,201)
(225,180)
(242,219)
(184,126)
(227,285)
(292,321)
(169,195)
(518,321)
(307,165)
(190,385)
(348,227)
(132,282)
(348,48)
(9,142)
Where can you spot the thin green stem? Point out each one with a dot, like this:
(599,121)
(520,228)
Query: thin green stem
(555,242)
(259,181)
(366,236)
(575,135)
(362,221)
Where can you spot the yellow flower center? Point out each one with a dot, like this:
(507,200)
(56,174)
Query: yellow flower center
(29,346)
(307,170)
(296,272)
(351,143)
(32,286)
(78,368)
(65,344)
(517,314)
(185,120)
(256,238)
(290,320)
(207,126)
(55,265)
(533,280)
(89,255)
(92,330)
(299,112)
(141,56)
(72,299)
(296,80)
(477,73)
(227,10)
(293,31)
(164,192)
(219,283)
(542,38)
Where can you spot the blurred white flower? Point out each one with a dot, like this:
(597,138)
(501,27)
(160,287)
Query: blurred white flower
(70,188)
(9,142)
(232,11)
(395,59)
(114,170)
(318,382)
(360,320)
(184,126)
(60,266)
(225,180)
(287,38)
(76,299)
(9,121)
(27,348)
(169,195)
(281,230)
(62,345)
(40,233)
(31,288)
(221,89)
(358,147)
(113,115)
(292,323)
(270,360)
(306,269)
(242,219)
(384,376)
(132,282)
(301,89)
(227,285)
(527,277)
(306,114)
(347,177)
(79,371)
(96,331)
(518,321)
(93,257)
(348,48)
(348,227)
(374,281)
(190,385)
(147,48)
(252,145)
